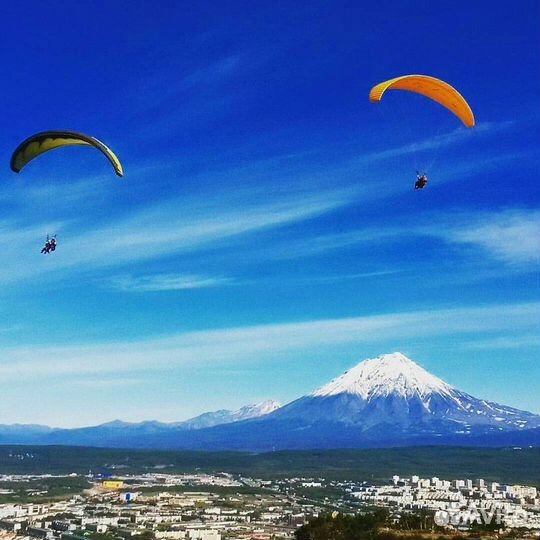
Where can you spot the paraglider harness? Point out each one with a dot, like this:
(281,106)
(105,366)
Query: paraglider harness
(421,180)
(50,245)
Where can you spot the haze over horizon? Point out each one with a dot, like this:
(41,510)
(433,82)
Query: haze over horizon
(265,237)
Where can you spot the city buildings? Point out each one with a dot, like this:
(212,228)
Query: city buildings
(214,506)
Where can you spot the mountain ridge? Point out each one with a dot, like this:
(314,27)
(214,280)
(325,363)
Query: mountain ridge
(385,401)
(29,432)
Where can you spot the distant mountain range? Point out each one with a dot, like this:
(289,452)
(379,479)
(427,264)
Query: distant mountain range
(385,401)
(113,433)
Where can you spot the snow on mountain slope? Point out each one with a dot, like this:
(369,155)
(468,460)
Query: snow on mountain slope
(385,375)
(224,416)
(260,409)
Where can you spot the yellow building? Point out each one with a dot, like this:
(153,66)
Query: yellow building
(113,484)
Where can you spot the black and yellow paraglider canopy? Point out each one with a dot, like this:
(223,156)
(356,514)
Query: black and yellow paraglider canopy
(42,142)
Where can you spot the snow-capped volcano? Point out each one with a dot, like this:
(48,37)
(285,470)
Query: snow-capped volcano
(392,395)
(385,375)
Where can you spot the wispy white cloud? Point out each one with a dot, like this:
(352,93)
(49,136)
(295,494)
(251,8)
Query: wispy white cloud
(167,282)
(49,190)
(171,81)
(182,225)
(214,72)
(346,277)
(179,225)
(510,236)
(100,383)
(327,243)
(179,282)
(59,190)
(253,343)
(12,236)
(505,342)
(178,97)
(457,136)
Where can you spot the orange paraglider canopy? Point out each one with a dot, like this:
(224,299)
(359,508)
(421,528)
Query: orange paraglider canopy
(431,87)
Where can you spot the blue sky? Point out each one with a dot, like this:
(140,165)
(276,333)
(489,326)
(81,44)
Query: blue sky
(266,236)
